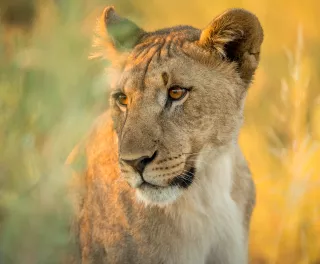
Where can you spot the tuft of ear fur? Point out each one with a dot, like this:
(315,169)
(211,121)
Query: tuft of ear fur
(237,36)
(114,34)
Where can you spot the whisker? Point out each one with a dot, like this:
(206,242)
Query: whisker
(194,153)
(194,182)
(199,161)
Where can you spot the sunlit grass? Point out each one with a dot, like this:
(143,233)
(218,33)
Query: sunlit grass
(49,98)
(287,213)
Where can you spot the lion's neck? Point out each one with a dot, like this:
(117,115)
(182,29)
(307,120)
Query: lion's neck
(207,212)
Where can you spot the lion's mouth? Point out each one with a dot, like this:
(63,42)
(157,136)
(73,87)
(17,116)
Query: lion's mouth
(183,180)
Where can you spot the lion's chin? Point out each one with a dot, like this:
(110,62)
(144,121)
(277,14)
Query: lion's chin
(158,196)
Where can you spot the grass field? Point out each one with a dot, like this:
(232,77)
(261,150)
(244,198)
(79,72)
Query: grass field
(50,94)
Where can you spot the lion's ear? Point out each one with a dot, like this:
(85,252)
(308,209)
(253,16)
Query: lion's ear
(237,35)
(114,33)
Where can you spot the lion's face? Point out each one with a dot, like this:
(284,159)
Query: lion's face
(165,117)
(173,99)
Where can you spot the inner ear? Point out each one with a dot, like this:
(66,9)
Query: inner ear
(231,50)
(237,36)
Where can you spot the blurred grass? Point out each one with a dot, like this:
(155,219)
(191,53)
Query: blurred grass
(50,94)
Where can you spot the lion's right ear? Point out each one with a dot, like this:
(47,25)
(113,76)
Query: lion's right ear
(114,34)
(237,36)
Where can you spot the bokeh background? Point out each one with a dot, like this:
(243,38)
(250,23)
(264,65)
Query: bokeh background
(50,94)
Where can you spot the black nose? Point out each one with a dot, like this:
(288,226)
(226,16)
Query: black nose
(140,163)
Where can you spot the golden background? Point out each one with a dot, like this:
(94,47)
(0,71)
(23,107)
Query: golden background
(49,95)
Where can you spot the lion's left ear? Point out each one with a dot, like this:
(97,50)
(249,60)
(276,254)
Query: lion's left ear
(114,34)
(237,35)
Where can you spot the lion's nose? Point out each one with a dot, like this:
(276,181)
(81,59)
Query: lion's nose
(140,163)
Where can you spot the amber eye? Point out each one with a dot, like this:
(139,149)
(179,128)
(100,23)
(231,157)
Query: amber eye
(177,93)
(122,99)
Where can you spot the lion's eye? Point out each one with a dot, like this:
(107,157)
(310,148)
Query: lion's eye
(177,93)
(121,99)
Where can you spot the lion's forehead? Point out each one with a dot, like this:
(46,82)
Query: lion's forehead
(160,46)
(147,71)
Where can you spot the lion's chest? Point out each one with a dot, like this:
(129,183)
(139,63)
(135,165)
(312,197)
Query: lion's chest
(119,230)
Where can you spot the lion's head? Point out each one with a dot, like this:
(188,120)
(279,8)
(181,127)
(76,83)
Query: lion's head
(179,91)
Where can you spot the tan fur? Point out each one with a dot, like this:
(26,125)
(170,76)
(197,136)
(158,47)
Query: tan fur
(122,221)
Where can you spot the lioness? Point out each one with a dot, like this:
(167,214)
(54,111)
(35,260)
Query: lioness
(165,180)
